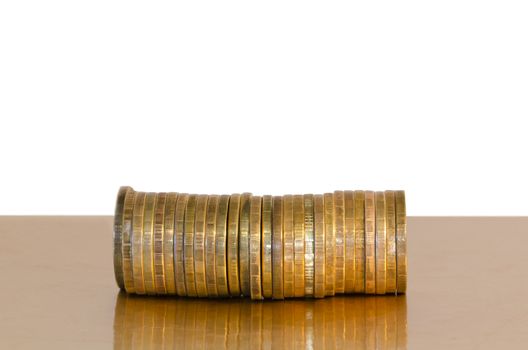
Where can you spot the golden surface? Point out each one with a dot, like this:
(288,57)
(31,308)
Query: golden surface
(339,227)
(266,258)
(232,245)
(210,245)
(255,213)
(401,239)
(319,247)
(381,243)
(221,246)
(277,251)
(199,245)
(137,243)
(370,242)
(350,236)
(390,213)
(359,226)
(298,245)
(148,240)
(287,261)
(159,230)
(243,244)
(329,244)
(188,245)
(179,231)
(309,245)
(126,247)
(168,242)
(57,296)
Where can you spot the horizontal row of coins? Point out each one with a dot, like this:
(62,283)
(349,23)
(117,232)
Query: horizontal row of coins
(260,246)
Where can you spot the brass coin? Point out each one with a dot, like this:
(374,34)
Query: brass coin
(266,264)
(319,244)
(298,246)
(137,242)
(159,231)
(339,226)
(232,245)
(277,251)
(126,249)
(359,225)
(221,246)
(148,243)
(179,232)
(381,243)
(329,244)
(390,214)
(188,246)
(168,242)
(255,247)
(401,242)
(370,242)
(350,237)
(118,239)
(309,245)
(210,246)
(243,244)
(199,245)
(288,262)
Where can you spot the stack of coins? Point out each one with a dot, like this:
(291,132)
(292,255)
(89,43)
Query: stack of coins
(263,247)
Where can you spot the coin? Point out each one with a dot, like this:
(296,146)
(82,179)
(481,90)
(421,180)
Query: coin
(210,246)
(199,245)
(255,247)
(288,262)
(401,242)
(266,264)
(309,245)
(221,244)
(298,255)
(381,243)
(390,213)
(188,246)
(319,247)
(126,248)
(277,251)
(159,231)
(349,234)
(118,239)
(339,226)
(148,240)
(359,225)
(232,245)
(137,242)
(329,244)
(179,232)
(370,242)
(243,244)
(168,243)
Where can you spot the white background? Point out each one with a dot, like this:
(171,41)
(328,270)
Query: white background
(269,97)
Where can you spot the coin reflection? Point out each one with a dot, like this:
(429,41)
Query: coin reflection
(338,322)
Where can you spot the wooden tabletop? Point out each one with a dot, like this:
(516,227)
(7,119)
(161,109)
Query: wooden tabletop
(468,283)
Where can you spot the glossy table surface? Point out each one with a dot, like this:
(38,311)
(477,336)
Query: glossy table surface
(468,288)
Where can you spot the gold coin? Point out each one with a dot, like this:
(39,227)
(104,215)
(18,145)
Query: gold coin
(359,225)
(126,249)
(179,232)
(199,245)
(159,231)
(210,246)
(319,247)
(288,262)
(329,244)
(220,249)
(118,239)
(277,251)
(232,245)
(401,242)
(370,242)
(309,245)
(266,265)
(137,242)
(339,226)
(243,244)
(381,243)
(188,246)
(350,237)
(298,246)
(255,213)
(168,242)
(148,240)
(390,214)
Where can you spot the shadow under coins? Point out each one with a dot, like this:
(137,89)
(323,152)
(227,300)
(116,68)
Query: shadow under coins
(376,322)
